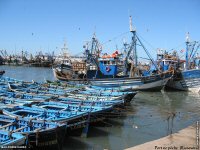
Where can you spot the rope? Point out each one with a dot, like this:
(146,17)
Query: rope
(177,47)
(36,137)
(27,141)
(147,42)
(114,38)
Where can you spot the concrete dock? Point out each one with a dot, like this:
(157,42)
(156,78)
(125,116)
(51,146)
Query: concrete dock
(186,139)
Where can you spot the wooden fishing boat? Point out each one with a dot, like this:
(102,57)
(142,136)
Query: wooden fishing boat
(73,115)
(38,90)
(56,115)
(126,96)
(94,92)
(113,94)
(145,83)
(88,102)
(37,133)
(92,97)
(28,97)
(8,79)
(117,71)
(58,83)
(46,86)
(8,138)
(71,107)
(21,102)
(187,78)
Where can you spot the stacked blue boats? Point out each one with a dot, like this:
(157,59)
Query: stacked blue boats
(38,115)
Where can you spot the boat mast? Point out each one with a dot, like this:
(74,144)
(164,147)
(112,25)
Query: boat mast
(92,53)
(65,51)
(187,49)
(133,31)
(132,48)
(93,47)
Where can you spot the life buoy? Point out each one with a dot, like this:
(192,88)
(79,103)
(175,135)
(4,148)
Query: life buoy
(108,68)
(114,55)
(104,56)
(108,56)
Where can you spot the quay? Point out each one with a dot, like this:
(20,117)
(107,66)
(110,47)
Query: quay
(185,139)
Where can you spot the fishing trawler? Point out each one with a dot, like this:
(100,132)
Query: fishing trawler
(188,78)
(115,71)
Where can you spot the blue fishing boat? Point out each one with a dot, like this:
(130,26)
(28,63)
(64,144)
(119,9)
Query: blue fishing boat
(115,71)
(188,78)
(72,115)
(8,138)
(45,86)
(71,107)
(102,95)
(9,79)
(38,133)
(56,114)
(75,93)
(36,90)
(24,96)
(92,97)
(93,102)
(22,102)
(94,92)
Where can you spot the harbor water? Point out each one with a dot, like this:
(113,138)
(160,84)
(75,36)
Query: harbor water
(151,115)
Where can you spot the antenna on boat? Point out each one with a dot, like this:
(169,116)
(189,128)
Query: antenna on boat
(131,25)
(187,49)
(187,37)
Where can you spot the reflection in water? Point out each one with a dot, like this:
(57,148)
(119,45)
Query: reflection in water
(28,73)
(151,115)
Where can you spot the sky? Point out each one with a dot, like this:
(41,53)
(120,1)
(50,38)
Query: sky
(44,25)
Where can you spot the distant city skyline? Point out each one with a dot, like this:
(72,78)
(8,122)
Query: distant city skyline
(45,25)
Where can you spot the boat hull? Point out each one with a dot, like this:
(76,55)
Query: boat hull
(188,80)
(51,139)
(153,86)
(149,83)
(14,139)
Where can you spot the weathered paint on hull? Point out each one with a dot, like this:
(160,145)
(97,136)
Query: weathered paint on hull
(190,81)
(154,86)
(150,83)
(138,85)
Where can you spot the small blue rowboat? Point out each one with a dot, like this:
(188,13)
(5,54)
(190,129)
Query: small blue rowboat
(26,96)
(21,102)
(70,107)
(8,138)
(89,101)
(55,114)
(38,133)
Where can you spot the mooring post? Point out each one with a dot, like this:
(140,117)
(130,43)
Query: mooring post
(86,128)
